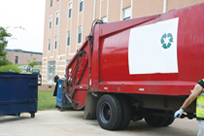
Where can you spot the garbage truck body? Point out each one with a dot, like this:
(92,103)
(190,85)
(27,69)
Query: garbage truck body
(138,68)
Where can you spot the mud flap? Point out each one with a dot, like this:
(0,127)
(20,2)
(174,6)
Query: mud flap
(90,106)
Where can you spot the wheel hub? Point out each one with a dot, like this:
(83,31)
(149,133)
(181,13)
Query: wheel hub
(105,112)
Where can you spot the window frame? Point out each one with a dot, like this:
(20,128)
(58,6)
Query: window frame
(79,39)
(16,59)
(55,42)
(51,3)
(81,5)
(104,19)
(68,38)
(127,17)
(49,42)
(70,10)
(57,18)
(50,22)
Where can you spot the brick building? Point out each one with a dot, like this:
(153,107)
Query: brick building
(67,22)
(21,57)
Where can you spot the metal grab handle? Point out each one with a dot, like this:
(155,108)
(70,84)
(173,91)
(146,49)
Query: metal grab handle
(40,80)
(34,83)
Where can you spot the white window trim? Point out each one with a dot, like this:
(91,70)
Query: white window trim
(78,35)
(69,38)
(82,7)
(50,18)
(106,18)
(68,9)
(56,13)
(49,42)
(124,10)
(55,42)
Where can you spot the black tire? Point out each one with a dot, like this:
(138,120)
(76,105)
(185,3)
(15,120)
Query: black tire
(156,120)
(109,112)
(170,119)
(126,112)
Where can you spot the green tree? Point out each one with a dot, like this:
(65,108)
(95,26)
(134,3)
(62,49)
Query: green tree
(3,44)
(32,63)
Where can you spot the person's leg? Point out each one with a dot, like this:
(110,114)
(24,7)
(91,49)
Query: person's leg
(201,127)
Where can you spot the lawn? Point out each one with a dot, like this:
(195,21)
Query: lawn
(46,100)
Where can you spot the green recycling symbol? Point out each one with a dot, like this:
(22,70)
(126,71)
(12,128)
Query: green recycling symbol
(166,40)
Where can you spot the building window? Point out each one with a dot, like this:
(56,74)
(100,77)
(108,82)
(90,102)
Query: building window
(51,2)
(50,23)
(70,10)
(79,34)
(55,42)
(16,59)
(57,0)
(81,5)
(57,18)
(104,19)
(68,38)
(49,45)
(67,62)
(51,70)
(39,63)
(127,13)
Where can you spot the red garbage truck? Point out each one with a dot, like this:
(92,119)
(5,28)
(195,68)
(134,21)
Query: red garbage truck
(138,68)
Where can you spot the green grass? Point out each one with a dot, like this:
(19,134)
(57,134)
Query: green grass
(46,100)
(18,65)
(10,67)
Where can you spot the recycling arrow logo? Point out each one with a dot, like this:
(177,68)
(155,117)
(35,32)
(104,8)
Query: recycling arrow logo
(166,40)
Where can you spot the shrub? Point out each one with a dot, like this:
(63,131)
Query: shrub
(10,67)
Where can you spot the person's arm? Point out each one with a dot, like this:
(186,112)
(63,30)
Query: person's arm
(196,91)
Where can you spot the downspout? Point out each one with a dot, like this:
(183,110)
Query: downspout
(58,37)
(164,6)
(94,14)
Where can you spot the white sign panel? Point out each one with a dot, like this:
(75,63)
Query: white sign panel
(153,48)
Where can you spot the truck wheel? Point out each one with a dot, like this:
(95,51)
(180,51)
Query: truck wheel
(109,112)
(170,120)
(126,112)
(156,120)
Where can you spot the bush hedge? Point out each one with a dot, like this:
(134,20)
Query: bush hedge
(10,67)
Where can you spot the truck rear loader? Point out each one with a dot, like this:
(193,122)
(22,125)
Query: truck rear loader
(138,68)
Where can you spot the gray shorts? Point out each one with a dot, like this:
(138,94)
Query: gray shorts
(201,127)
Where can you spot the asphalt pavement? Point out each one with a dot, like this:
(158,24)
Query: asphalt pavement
(71,123)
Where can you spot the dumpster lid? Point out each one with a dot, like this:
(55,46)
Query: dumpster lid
(9,73)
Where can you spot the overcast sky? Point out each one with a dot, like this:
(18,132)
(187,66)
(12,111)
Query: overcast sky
(27,14)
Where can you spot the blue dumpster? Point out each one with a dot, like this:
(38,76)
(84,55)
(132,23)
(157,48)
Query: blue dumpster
(18,93)
(61,102)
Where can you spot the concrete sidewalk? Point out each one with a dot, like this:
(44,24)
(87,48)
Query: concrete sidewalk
(71,123)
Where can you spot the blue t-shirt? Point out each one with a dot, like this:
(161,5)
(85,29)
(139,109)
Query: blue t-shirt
(201,82)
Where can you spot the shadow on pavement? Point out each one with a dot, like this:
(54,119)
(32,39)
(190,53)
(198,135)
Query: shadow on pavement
(143,127)
(6,119)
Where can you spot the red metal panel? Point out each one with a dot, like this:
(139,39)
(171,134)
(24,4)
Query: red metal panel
(80,98)
(77,77)
(113,65)
(148,87)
